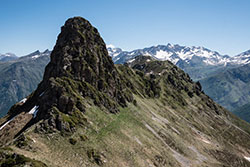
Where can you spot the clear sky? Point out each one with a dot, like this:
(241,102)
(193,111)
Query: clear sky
(220,25)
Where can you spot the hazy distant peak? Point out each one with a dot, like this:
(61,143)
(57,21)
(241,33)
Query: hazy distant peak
(46,51)
(110,46)
(7,57)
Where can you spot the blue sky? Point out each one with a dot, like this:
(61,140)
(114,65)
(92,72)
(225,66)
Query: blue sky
(220,25)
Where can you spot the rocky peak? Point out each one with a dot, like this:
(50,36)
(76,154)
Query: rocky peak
(47,51)
(80,59)
(7,57)
(80,70)
(79,52)
(37,52)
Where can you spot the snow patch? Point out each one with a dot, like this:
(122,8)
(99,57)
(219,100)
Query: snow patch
(23,101)
(34,111)
(65,67)
(163,55)
(130,61)
(35,57)
(247,158)
(118,59)
(34,140)
(131,53)
(6,123)
(110,46)
(115,54)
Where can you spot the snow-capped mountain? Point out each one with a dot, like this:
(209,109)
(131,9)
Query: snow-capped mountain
(173,53)
(113,51)
(180,54)
(199,62)
(7,57)
(10,56)
(243,58)
(37,54)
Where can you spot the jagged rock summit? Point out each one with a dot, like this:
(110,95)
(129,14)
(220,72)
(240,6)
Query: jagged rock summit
(80,55)
(80,69)
(79,51)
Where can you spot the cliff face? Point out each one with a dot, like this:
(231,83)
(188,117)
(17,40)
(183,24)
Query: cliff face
(89,112)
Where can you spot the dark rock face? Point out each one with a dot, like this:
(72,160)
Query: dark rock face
(80,56)
(81,53)
(80,68)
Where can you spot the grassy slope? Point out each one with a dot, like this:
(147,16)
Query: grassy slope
(147,134)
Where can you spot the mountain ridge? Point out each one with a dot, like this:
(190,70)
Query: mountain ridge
(199,62)
(7,57)
(89,112)
(177,49)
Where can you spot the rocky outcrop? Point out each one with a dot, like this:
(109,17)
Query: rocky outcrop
(80,69)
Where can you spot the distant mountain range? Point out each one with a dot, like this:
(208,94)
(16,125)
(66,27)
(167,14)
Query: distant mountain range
(198,62)
(7,57)
(177,53)
(19,77)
